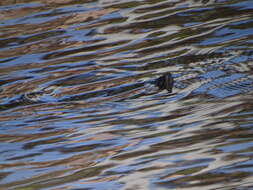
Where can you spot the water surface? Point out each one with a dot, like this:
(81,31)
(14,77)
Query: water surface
(77,110)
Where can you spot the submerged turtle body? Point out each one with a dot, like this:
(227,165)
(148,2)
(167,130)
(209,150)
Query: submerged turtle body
(53,93)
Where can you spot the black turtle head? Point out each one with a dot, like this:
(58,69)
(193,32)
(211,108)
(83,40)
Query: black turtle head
(165,82)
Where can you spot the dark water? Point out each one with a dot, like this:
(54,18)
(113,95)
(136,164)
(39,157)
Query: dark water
(77,112)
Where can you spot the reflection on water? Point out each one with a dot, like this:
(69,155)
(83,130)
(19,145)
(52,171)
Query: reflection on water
(79,111)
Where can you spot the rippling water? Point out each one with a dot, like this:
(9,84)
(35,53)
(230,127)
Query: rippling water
(77,110)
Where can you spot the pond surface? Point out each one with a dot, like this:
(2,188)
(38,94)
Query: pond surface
(78,109)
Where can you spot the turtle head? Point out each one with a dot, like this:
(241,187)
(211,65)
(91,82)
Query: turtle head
(165,82)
